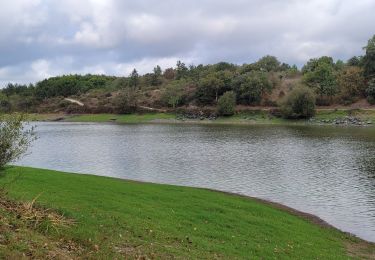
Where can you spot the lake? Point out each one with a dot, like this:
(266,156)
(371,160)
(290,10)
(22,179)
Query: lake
(323,170)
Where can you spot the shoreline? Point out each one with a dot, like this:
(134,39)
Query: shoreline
(324,117)
(311,218)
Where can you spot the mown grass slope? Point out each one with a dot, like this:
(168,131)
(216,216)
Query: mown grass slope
(116,218)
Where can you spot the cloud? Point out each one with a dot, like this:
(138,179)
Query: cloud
(45,38)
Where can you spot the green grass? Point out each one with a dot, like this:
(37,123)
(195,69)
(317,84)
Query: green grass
(248,117)
(130,219)
(263,117)
(254,117)
(332,114)
(44,117)
(251,117)
(130,118)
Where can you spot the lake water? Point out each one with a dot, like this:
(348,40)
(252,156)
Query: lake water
(326,171)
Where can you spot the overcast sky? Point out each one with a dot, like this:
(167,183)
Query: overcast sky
(43,38)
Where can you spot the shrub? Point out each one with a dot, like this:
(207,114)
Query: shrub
(323,80)
(5,105)
(268,63)
(352,84)
(209,89)
(227,104)
(173,93)
(15,138)
(371,92)
(126,102)
(250,87)
(299,103)
(369,59)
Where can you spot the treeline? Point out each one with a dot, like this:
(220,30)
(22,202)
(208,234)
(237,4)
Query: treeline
(330,82)
(24,97)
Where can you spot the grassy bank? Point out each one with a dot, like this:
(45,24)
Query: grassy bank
(116,218)
(323,116)
(332,114)
(131,118)
(101,118)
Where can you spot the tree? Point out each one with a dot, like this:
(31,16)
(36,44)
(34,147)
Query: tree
(320,75)
(209,89)
(312,64)
(195,72)
(118,83)
(227,104)
(15,138)
(351,83)
(5,105)
(299,103)
(66,85)
(226,76)
(134,79)
(173,93)
(293,71)
(222,66)
(181,70)
(250,87)
(339,65)
(354,61)
(155,78)
(169,73)
(126,101)
(371,91)
(157,70)
(284,67)
(369,59)
(268,63)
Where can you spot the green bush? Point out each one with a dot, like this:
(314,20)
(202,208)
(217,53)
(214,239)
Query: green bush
(15,138)
(251,87)
(371,92)
(352,84)
(299,103)
(125,102)
(5,105)
(227,104)
(369,59)
(173,93)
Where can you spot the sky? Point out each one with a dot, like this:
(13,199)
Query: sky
(44,38)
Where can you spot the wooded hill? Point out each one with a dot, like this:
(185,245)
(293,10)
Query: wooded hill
(262,83)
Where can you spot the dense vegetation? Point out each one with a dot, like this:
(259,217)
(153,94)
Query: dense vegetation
(149,221)
(15,138)
(226,104)
(262,83)
(299,103)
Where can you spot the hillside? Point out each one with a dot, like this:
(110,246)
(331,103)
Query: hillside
(262,84)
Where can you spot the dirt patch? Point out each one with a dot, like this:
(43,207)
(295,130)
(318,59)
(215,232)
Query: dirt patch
(361,249)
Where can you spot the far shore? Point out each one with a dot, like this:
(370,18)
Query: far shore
(324,116)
